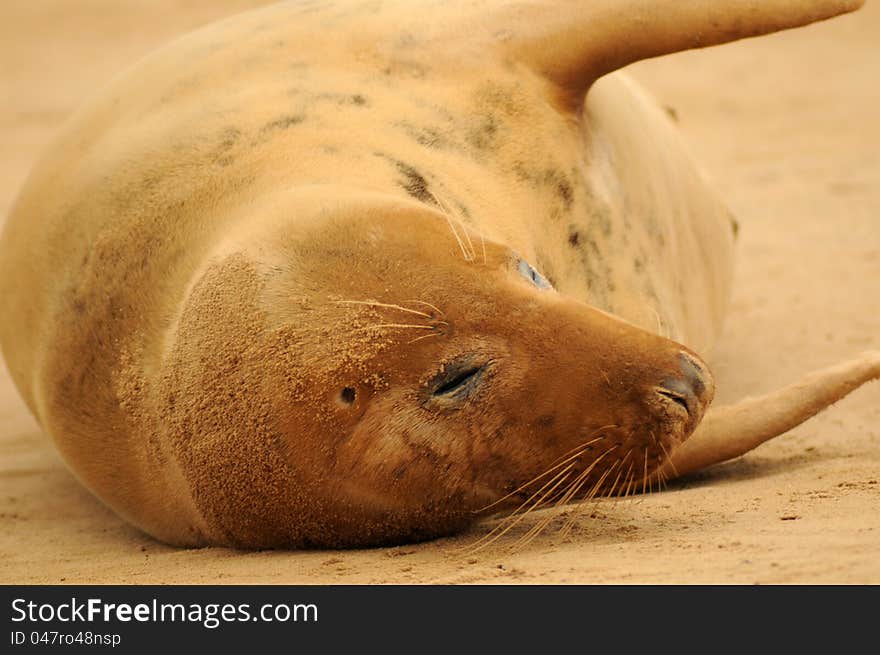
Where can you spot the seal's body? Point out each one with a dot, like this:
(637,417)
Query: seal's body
(348,273)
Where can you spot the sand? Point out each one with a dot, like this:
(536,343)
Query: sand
(786,125)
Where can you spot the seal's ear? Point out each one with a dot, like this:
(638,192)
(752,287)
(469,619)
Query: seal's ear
(574,42)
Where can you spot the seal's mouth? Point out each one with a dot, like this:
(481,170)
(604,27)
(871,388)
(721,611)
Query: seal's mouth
(684,401)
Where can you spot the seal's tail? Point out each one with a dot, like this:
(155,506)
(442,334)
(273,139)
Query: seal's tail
(574,42)
(727,432)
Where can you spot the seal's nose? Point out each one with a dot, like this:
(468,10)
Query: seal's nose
(693,389)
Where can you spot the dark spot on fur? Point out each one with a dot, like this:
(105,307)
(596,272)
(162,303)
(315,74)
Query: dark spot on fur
(521,171)
(671,112)
(347,395)
(550,179)
(283,123)
(498,96)
(734,226)
(355,99)
(406,68)
(563,188)
(425,136)
(574,238)
(228,139)
(483,134)
(462,210)
(414,183)
(603,220)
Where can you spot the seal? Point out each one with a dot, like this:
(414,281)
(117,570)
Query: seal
(334,274)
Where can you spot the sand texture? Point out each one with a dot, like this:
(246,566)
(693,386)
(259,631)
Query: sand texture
(787,125)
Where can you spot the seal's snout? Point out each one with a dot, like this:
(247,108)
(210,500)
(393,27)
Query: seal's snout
(692,389)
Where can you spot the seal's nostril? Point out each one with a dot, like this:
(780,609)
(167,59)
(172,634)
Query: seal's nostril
(695,374)
(680,392)
(692,389)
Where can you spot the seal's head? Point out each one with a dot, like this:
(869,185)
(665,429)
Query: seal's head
(382,375)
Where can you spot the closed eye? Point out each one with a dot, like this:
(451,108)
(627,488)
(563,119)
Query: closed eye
(457,381)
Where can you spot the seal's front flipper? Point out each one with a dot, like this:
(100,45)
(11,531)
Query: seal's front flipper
(574,42)
(727,432)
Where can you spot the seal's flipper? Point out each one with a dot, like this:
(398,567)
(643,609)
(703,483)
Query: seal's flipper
(574,42)
(731,431)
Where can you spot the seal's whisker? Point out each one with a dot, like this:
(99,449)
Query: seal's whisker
(427,304)
(565,458)
(591,440)
(622,461)
(589,496)
(579,511)
(564,494)
(449,215)
(470,242)
(621,494)
(582,477)
(626,488)
(498,532)
(580,481)
(645,478)
(424,336)
(594,492)
(473,251)
(661,481)
(371,303)
(630,486)
(541,496)
(546,498)
(540,525)
(398,325)
(575,513)
(559,476)
(464,252)
(659,323)
(668,458)
(629,480)
(616,480)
